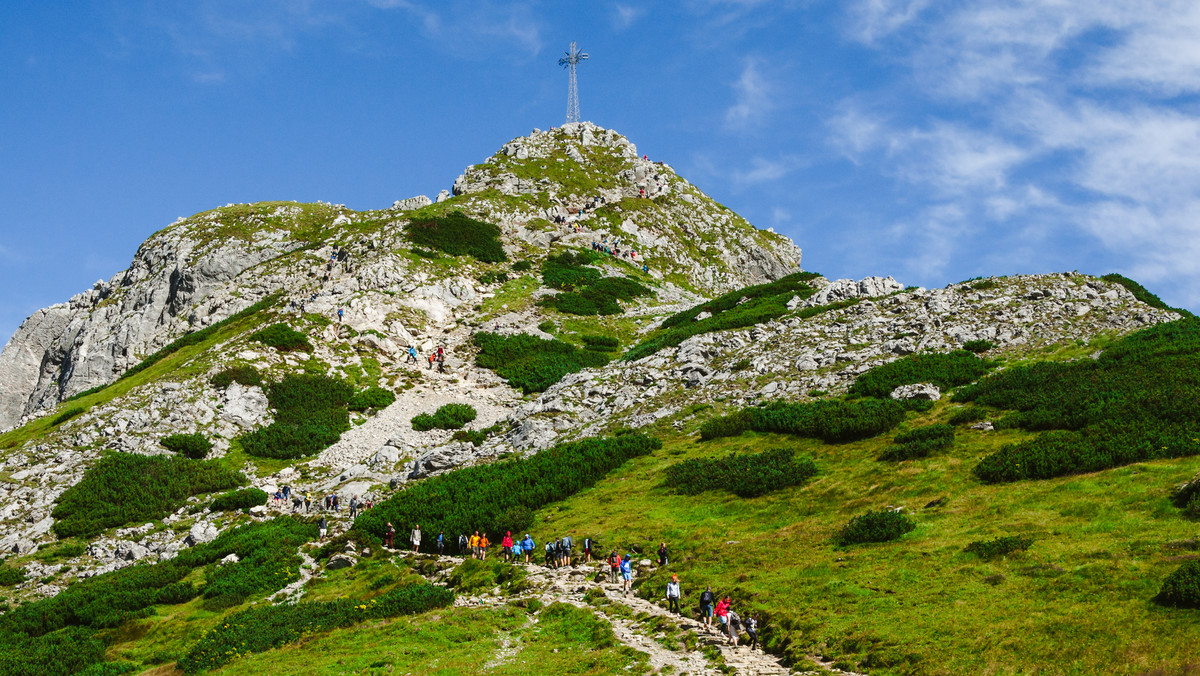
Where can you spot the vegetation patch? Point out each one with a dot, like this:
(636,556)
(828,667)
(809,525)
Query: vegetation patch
(502,496)
(458,235)
(944,370)
(584,291)
(1138,401)
(447,417)
(10,576)
(244,374)
(967,414)
(264,628)
(738,309)
(67,415)
(881,525)
(371,398)
(310,416)
(978,346)
(919,443)
(832,421)
(195,446)
(530,363)
(1143,294)
(998,547)
(242,499)
(1181,589)
(124,488)
(747,475)
(601,343)
(283,338)
(473,577)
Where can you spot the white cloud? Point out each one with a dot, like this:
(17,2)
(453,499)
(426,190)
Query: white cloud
(625,16)
(753,96)
(763,170)
(875,19)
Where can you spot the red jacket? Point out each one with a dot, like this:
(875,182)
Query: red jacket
(507,541)
(722,608)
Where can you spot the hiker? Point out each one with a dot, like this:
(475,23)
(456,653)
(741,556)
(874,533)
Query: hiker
(328,501)
(527,545)
(323,527)
(473,544)
(287,492)
(462,544)
(296,504)
(341,313)
(707,602)
(565,554)
(431,358)
(614,564)
(735,621)
(416,537)
(627,574)
(336,505)
(558,552)
(722,613)
(662,553)
(353,506)
(549,562)
(751,626)
(506,546)
(516,551)
(441,362)
(483,545)
(587,549)
(388,535)
(673,595)
(412,355)
(307,502)
(441,544)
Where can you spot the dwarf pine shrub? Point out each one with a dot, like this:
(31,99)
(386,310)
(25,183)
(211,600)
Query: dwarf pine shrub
(998,547)
(243,374)
(748,475)
(124,488)
(458,235)
(194,446)
(372,397)
(310,416)
(920,442)
(944,370)
(978,346)
(531,364)
(585,291)
(243,499)
(881,525)
(1181,589)
(447,417)
(283,338)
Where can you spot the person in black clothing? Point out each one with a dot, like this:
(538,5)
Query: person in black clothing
(707,601)
(462,544)
(751,627)
(662,553)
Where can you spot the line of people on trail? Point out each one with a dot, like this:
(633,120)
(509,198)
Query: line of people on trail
(437,357)
(332,502)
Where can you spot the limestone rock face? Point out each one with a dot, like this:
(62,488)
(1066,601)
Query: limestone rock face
(925,391)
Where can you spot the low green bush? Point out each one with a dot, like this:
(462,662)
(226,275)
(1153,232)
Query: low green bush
(194,446)
(11,576)
(919,443)
(881,525)
(944,370)
(747,476)
(493,278)
(737,309)
(310,416)
(264,628)
(243,499)
(585,291)
(978,346)
(67,415)
(522,266)
(1181,589)
(244,374)
(283,338)
(447,417)
(832,421)
(458,235)
(502,496)
(967,414)
(730,425)
(70,651)
(1183,494)
(1143,294)
(531,364)
(601,343)
(998,547)
(376,398)
(124,488)
(473,577)
(476,438)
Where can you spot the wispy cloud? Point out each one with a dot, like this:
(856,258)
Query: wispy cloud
(764,170)
(624,16)
(753,96)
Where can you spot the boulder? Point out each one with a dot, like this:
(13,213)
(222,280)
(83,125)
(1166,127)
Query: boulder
(339,561)
(131,551)
(926,391)
(200,533)
(228,560)
(245,406)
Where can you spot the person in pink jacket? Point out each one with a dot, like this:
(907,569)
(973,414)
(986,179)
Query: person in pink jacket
(722,613)
(506,543)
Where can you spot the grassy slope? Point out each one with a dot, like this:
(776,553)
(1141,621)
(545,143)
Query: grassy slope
(1077,602)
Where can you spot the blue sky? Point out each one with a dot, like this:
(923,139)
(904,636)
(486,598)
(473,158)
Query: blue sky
(933,141)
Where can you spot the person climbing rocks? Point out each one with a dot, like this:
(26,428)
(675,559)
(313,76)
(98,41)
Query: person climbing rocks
(627,574)
(707,602)
(432,358)
(614,564)
(353,506)
(527,545)
(673,595)
(307,502)
(751,626)
(722,613)
(322,527)
(388,535)
(415,537)
(341,313)
(662,553)
(549,561)
(506,546)
(412,355)
(588,543)
(733,625)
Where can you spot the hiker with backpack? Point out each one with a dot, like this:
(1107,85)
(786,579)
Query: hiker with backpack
(506,546)
(527,545)
(708,601)
(483,545)
(614,564)
(412,355)
(549,562)
(627,574)
(722,613)
(662,554)
(565,554)
(733,624)
(751,626)
(588,543)
(673,595)
(462,544)
(441,543)
(322,527)
(388,534)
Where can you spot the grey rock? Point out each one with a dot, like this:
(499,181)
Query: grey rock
(339,561)
(926,391)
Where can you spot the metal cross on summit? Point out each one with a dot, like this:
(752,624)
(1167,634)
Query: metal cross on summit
(572,59)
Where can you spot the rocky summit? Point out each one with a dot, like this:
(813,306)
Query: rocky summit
(565,290)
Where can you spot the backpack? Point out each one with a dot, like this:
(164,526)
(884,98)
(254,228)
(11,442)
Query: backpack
(567,542)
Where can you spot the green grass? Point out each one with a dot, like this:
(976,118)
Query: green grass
(1100,556)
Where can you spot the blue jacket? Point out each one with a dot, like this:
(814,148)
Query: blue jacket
(527,544)
(626,565)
